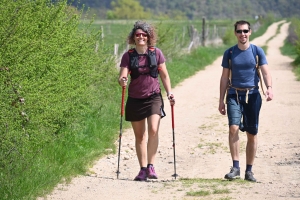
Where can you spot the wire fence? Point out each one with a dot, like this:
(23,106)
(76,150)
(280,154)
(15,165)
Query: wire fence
(209,35)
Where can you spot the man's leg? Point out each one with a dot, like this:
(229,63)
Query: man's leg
(234,119)
(251,149)
(251,119)
(234,143)
(234,146)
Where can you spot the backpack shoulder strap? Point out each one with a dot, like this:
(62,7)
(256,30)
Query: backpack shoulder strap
(133,58)
(254,51)
(255,55)
(230,51)
(152,56)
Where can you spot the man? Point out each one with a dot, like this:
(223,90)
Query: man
(240,81)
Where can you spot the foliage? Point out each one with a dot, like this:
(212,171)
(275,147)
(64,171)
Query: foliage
(127,9)
(296,29)
(170,38)
(229,37)
(49,72)
(294,40)
(211,9)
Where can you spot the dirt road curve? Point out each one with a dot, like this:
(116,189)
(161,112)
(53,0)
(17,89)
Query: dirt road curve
(202,143)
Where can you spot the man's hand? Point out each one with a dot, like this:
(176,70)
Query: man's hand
(222,108)
(269,94)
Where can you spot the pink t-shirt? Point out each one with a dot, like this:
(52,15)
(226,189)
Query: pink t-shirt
(145,85)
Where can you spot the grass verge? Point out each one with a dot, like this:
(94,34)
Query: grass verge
(289,49)
(211,188)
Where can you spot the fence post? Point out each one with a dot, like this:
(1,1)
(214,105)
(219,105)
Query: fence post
(203,31)
(102,32)
(183,35)
(116,49)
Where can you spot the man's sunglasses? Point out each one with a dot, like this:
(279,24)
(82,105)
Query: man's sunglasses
(139,34)
(240,31)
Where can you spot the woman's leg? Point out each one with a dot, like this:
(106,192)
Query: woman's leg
(153,127)
(139,128)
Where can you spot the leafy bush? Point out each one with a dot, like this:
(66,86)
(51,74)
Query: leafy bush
(229,37)
(49,71)
(295,28)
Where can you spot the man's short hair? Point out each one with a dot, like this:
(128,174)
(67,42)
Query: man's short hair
(241,22)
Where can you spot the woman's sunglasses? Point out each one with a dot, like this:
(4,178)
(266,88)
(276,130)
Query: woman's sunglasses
(240,31)
(139,34)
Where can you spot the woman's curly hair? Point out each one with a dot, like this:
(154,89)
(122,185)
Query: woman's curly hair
(147,28)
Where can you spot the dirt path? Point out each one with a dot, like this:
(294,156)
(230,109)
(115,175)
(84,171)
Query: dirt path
(202,143)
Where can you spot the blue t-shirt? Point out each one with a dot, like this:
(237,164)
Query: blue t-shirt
(243,67)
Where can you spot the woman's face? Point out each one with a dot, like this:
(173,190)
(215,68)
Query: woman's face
(140,37)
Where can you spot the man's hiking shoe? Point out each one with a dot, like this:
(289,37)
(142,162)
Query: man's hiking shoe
(151,173)
(249,176)
(142,176)
(233,174)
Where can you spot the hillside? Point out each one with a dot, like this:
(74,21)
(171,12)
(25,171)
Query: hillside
(212,9)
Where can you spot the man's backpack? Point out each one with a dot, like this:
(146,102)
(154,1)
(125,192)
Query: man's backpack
(254,51)
(134,62)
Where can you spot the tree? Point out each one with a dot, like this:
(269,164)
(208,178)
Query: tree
(127,9)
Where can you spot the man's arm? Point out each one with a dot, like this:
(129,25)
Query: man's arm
(223,87)
(268,81)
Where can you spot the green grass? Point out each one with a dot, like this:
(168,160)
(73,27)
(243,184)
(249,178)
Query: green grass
(185,66)
(212,147)
(198,193)
(210,187)
(116,31)
(290,50)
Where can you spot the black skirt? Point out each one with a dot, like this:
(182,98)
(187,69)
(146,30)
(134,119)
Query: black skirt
(139,109)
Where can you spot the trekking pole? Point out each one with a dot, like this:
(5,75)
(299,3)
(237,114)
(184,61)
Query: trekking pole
(174,175)
(121,121)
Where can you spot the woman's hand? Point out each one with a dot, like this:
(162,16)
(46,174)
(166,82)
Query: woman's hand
(171,99)
(123,81)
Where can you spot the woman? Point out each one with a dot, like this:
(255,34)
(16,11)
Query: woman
(144,104)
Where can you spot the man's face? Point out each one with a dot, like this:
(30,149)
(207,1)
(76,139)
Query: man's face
(242,33)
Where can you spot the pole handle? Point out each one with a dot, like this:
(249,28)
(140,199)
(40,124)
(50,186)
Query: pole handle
(122,102)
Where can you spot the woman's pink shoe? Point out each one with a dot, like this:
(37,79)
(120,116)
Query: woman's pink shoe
(142,176)
(151,173)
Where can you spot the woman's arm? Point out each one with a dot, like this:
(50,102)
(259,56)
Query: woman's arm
(165,78)
(123,76)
